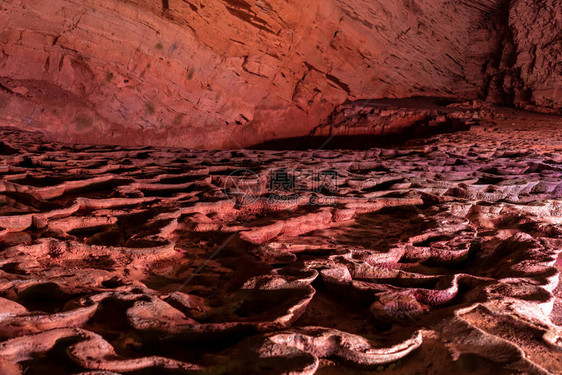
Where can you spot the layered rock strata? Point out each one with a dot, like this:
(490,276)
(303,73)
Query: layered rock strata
(234,73)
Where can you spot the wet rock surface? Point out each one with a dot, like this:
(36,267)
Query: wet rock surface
(440,256)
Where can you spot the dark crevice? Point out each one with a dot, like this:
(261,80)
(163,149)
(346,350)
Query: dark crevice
(339,83)
(500,67)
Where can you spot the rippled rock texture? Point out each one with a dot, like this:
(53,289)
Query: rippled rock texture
(437,257)
(231,73)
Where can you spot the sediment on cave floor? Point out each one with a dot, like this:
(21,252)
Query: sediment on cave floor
(442,255)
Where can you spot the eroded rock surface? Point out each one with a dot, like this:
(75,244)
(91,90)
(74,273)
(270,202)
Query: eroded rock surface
(232,73)
(439,257)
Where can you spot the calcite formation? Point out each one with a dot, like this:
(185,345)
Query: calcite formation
(439,257)
(234,73)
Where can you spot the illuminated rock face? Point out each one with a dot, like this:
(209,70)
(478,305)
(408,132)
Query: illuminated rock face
(230,73)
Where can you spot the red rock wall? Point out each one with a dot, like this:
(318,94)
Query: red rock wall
(230,73)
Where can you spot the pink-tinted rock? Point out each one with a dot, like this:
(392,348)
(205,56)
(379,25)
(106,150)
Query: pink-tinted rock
(236,73)
(117,260)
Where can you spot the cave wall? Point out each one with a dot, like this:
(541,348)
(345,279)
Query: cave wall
(232,73)
(537,35)
(521,55)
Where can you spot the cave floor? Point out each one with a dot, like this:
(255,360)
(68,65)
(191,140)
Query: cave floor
(440,256)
